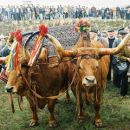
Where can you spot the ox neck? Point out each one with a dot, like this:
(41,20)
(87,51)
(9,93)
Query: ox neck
(86,43)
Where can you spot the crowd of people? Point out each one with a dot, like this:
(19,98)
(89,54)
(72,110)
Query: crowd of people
(31,12)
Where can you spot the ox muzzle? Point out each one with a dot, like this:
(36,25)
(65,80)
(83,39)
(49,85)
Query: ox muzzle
(10,89)
(89,81)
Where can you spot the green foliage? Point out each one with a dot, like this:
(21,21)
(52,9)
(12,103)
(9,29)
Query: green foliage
(115,114)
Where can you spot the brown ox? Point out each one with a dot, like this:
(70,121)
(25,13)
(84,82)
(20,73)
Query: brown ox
(90,72)
(40,84)
(90,81)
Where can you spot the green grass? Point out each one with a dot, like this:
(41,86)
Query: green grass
(114,112)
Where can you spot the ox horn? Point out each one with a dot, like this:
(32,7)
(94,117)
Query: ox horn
(62,53)
(116,50)
(56,44)
(104,51)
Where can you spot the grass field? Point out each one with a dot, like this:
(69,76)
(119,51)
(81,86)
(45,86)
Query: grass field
(115,114)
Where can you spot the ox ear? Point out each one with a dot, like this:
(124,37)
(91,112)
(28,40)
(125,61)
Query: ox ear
(43,55)
(24,56)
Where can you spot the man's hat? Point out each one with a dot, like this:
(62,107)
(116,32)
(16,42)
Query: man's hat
(110,30)
(122,32)
(94,30)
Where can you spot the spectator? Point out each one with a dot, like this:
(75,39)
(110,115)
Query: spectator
(94,36)
(111,38)
(124,55)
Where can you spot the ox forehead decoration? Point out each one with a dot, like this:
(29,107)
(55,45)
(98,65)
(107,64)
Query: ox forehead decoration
(82,26)
(13,56)
(43,30)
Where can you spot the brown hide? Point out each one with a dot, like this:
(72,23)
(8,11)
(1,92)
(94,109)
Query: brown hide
(90,66)
(46,80)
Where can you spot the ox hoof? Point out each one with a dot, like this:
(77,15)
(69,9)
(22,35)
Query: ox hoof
(98,123)
(67,100)
(81,119)
(33,123)
(52,123)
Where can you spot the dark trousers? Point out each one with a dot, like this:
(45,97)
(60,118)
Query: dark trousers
(109,72)
(123,83)
(116,78)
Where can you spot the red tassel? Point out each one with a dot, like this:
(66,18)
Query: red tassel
(18,36)
(43,30)
(12,34)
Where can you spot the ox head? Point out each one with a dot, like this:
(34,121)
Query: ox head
(88,69)
(16,82)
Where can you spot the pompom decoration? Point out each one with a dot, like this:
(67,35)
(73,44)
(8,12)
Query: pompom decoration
(18,36)
(82,25)
(43,30)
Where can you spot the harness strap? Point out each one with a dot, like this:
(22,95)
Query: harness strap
(11,102)
(41,97)
(20,101)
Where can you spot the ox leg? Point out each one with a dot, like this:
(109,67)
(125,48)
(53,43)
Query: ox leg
(52,120)
(79,105)
(80,108)
(81,113)
(98,121)
(67,96)
(34,121)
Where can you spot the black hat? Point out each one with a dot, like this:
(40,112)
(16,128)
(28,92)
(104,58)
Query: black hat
(110,30)
(94,30)
(122,32)
(121,29)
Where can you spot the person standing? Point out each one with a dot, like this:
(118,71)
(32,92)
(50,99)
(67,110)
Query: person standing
(111,39)
(121,34)
(124,56)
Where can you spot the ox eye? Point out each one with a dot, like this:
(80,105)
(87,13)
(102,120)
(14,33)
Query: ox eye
(96,66)
(79,67)
(18,75)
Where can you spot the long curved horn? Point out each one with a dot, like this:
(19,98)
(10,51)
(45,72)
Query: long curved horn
(56,44)
(113,51)
(60,49)
(88,50)
(104,51)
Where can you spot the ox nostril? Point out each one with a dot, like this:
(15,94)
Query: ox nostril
(90,79)
(9,89)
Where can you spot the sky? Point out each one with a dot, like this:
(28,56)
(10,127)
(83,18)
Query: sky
(97,3)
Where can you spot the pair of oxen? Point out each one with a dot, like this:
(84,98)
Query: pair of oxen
(85,69)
